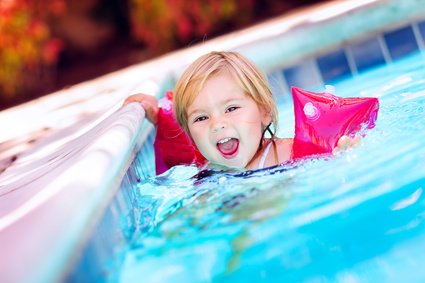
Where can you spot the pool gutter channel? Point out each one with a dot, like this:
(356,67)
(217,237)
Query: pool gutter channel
(44,234)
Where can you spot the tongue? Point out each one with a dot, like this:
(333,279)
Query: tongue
(228,148)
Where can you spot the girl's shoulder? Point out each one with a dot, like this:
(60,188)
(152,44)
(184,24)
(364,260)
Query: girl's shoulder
(276,151)
(283,148)
(283,141)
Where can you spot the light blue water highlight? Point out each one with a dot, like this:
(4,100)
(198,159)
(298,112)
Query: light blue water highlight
(355,217)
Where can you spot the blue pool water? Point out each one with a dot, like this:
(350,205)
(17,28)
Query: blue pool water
(355,217)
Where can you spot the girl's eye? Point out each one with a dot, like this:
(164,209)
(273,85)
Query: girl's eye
(200,119)
(232,108)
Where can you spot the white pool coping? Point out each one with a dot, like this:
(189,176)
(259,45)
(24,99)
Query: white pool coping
(59,185)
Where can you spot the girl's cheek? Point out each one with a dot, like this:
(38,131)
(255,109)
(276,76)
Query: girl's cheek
(195,133)
(198,128)
(200,136)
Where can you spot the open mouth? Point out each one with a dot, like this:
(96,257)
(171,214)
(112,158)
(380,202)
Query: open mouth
(228,147)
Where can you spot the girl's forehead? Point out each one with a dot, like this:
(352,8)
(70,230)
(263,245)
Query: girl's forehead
(220,86)
(218,101)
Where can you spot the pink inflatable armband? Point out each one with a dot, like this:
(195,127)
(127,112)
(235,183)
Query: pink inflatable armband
(322,118)
(172,146)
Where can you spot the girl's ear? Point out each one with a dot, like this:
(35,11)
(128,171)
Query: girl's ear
(266,117)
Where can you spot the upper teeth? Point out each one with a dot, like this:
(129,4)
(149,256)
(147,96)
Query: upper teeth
(224,140)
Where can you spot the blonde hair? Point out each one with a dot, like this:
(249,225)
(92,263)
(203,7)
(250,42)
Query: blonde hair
(249,78)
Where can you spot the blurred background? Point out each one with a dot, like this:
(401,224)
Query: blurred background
(47,45)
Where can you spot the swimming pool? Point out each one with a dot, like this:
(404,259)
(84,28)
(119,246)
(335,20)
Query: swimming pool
(242,229)
(356,217)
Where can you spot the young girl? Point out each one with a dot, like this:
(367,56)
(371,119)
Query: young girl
(223,102)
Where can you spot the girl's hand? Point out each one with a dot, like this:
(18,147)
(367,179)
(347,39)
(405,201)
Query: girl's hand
(345,143)
(148,102)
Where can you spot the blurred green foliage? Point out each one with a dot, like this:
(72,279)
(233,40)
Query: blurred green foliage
(30,45)
(166,24)
(26,45)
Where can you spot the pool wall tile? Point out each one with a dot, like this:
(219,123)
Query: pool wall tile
(303,75)
(355,58)
(367,54)
(333,66)
(401,42)
(420,28)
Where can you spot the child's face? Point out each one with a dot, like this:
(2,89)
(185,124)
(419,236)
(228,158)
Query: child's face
(226,124)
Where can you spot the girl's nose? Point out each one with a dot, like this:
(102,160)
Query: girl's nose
(218,124)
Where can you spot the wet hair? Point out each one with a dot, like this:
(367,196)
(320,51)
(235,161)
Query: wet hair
(248,76)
